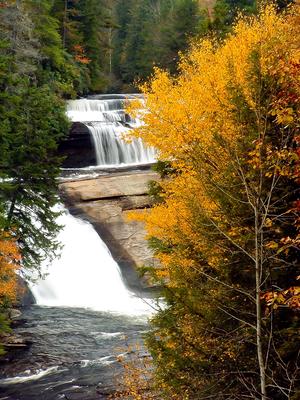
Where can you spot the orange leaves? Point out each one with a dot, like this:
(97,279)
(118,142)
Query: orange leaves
(79,54)
(289,298)
(9,263)
(137,377)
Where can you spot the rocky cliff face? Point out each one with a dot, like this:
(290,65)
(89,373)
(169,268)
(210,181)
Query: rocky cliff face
(105,202)
(77,149)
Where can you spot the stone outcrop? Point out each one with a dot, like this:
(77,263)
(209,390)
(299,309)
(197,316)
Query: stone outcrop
(24,296)
(109,186)
(105,202)
(77,148)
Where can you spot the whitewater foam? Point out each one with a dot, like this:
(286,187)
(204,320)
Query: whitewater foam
(86,276)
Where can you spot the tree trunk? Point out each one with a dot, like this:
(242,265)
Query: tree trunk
(11,209)
(260,357)
(64,24)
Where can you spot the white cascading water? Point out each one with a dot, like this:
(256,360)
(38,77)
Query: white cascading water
(107,122)
(86,275)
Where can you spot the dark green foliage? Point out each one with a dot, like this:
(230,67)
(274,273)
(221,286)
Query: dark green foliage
(46,29)
(4,328)
(35,123)
(164,169)
(152,33)
(97,30)
(86,33)
(32,123)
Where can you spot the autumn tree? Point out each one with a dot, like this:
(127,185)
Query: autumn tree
(9,265)
(227,229)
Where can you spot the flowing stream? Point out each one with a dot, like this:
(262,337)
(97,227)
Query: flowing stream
(85,316)
(84,319)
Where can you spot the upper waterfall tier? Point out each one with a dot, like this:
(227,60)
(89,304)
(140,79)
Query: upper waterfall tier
(107,121)
(86,110)
(101,108)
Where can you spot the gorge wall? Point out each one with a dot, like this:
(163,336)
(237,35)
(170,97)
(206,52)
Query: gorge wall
(105,202)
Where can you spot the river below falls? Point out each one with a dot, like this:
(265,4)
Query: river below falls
(84,320)
(74,354)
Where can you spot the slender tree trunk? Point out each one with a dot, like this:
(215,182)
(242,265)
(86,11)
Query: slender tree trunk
(110,49)
(64,24)
(260,357)
(11,209)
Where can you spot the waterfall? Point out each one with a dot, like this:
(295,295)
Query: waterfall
(86,275)
(107,122)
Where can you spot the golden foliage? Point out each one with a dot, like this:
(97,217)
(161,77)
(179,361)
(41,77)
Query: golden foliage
(137,378)
(195,120)
(228,125)
(9,264)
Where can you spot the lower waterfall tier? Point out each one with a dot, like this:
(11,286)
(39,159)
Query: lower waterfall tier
(86,275)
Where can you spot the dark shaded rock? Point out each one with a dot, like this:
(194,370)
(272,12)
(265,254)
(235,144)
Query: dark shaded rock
(13,340)
(84,396)
(25,297)
(78,148)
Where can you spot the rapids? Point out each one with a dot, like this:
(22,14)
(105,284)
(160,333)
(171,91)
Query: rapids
(84,318)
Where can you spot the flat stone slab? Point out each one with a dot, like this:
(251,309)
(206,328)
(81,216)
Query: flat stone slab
(105,187)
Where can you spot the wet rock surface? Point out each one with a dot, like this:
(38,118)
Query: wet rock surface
(25,297)
(106,202)
(77,149)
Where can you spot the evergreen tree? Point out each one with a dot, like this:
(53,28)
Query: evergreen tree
(32,121)
(96,22)
(151,33)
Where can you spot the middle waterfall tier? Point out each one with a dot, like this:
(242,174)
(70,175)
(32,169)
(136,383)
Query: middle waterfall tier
(106,119)
(111,149)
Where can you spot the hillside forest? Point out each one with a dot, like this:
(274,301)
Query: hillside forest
(221,84)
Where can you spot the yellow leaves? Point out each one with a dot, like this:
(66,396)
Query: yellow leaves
(189,111)
(284,116)
(268,223)
(193,120)
(137,378)
(272,245)
(9,264)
